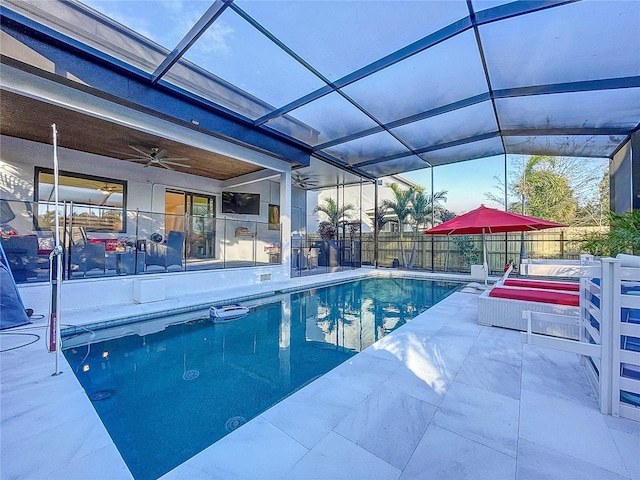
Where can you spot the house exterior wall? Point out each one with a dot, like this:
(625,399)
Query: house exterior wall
(145,191)
(361,196)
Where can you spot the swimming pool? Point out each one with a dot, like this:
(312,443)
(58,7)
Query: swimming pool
(167,389)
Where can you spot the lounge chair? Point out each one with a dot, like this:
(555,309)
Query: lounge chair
(503,307)
(541,284)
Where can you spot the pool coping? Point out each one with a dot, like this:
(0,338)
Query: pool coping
(222,297)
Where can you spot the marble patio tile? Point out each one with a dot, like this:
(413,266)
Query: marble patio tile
(477,414)
(555,373)
(67,411)
(421,379)
(257,450)
(335,457)
(400,345)
(570,429)
(357,373)
(461,329)
(59,449)
(98,466)
(536,462)
(388,424)
(425,324)
(309,414)
(450,353)
(491,375)
(626,435)
(499,344)
(442,454)
(434,359)
(186,471)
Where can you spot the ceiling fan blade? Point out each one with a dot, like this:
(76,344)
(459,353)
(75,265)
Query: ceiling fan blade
(145,159)
(163,162)
(144,154)
(159,154)
(173,159)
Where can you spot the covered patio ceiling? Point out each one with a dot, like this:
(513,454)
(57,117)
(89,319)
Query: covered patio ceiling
(384,87)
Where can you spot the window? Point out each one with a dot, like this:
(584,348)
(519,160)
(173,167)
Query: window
(98,203)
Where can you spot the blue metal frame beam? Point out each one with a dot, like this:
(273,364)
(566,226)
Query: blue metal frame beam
(336,162)
(210,16)
(432,148)
(512,9)
(117,81)
(300,60)
(569,87)
(402,54)
(515,9)
(579,131)
(524,132)
(404,121)
(487,77)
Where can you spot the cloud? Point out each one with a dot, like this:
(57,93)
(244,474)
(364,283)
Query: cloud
(216,40)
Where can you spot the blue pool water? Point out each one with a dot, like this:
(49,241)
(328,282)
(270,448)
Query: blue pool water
(166,396)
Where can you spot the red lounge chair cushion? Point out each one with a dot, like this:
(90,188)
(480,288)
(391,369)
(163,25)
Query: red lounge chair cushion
(569,287)
(542,296)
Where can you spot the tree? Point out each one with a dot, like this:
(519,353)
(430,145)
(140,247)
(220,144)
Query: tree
(623,236)
(423,208)
(380,218)
(545,187)
(336,216)
(547,194)
(401,206)
(412,207)
(596,211)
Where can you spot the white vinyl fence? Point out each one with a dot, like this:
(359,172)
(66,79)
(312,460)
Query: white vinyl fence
(609,334)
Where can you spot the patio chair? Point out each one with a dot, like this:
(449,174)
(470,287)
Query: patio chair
(85,256)
(166,255)
(22,255)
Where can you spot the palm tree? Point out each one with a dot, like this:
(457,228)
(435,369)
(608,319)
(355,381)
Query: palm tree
(421,212)
(401,206)
(336,216)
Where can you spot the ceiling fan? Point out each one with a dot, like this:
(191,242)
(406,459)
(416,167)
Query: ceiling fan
(158,157)
(304,181)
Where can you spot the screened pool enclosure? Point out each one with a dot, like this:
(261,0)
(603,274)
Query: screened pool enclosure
(312,94)
(374,87)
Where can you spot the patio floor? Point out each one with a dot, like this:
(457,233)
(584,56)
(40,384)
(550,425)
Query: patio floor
(441,397)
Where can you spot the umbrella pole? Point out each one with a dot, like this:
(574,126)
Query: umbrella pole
(485,266)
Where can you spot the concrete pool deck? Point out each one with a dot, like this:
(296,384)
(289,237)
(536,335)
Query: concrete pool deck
(441,397)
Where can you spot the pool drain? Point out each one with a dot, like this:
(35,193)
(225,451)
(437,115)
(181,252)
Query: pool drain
(101,395)
(190,375)
(234,422)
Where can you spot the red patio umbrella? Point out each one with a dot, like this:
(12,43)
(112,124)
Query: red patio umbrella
(484,220)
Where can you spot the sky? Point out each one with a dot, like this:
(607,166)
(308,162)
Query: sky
(465,182)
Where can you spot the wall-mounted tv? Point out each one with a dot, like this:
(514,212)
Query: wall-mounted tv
(241,203)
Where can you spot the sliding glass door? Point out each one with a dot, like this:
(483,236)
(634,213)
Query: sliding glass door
(198,211)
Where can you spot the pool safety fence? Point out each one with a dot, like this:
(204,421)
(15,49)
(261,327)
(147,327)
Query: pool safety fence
(609,340)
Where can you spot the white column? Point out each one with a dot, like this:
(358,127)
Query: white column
(285,221)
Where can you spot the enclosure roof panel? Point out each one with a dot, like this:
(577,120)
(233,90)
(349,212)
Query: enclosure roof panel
(380,87)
